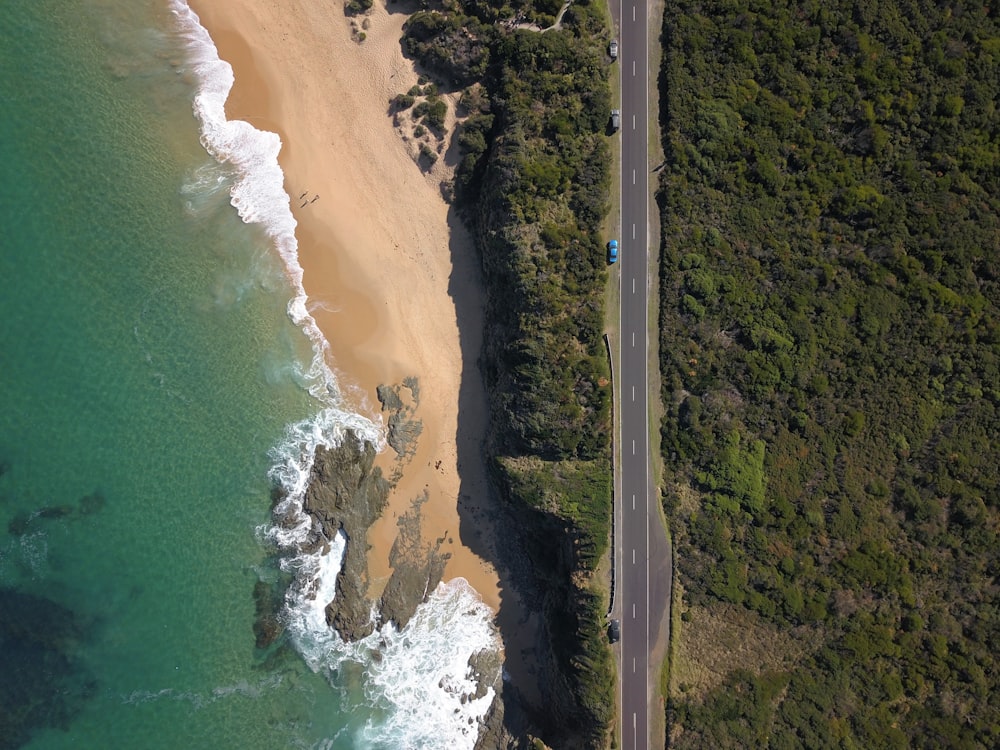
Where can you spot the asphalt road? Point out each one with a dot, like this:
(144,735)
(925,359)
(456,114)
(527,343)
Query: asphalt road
(642,595)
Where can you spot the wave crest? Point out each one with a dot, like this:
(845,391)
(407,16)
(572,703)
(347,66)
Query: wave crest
(420,687)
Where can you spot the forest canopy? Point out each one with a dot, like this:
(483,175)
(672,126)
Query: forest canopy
(830,353)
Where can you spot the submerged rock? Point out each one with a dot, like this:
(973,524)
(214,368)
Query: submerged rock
(18,525)
(41,682)
(55,511)
(22,521)
(267,627)
(92,503)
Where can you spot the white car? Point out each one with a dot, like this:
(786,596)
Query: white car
(613,49)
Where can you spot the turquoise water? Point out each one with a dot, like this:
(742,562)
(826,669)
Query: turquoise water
(149,368)
(160,377)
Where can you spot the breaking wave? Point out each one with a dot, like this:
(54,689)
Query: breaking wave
(419,690)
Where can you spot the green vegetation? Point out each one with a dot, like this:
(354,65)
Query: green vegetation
(830,352)
(357,7)
(403,101)
(431,112)
(427,155)
(533,183)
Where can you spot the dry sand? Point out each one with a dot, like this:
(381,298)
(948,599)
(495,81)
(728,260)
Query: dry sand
(386,267)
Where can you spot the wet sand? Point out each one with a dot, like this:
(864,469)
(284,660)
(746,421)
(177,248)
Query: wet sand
(386,267)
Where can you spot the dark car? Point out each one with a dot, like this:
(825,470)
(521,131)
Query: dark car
(614,631)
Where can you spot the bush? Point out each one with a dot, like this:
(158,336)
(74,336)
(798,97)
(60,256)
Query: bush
(427,155)
(434,116)
(357,7)
(828,331)
(402,101)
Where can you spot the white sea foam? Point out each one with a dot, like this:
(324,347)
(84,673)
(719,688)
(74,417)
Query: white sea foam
(201,186)
(257,192)
(423,678)
(417,683)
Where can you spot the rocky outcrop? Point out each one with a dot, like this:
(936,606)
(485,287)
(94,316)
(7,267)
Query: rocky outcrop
(403,428)
(417,567)
(347,492)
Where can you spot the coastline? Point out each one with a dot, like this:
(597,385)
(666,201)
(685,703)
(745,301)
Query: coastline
(384,264)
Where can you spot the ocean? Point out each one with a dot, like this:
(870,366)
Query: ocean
(160,379)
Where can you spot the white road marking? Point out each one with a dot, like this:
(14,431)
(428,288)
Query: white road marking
(633,12)
(633,447)
(633,610)
(633,122)
(633,338)
(633,555)
(633,393)
(633,665)
(633,231)
(633,288)
(633,176)
(633,502)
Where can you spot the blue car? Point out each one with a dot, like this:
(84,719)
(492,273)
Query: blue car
(613,251)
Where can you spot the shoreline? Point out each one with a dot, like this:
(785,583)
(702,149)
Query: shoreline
(385,266)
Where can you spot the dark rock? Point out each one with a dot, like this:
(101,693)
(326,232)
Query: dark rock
(493,732)
(487,666)
(347,493)
(417,567)
(388,396)
(403,428)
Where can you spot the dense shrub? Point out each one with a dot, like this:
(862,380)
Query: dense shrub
(830,353)
(533,181)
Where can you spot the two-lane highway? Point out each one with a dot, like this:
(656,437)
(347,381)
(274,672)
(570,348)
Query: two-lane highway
(638,518)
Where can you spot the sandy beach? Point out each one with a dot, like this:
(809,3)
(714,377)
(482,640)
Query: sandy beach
(387,268)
